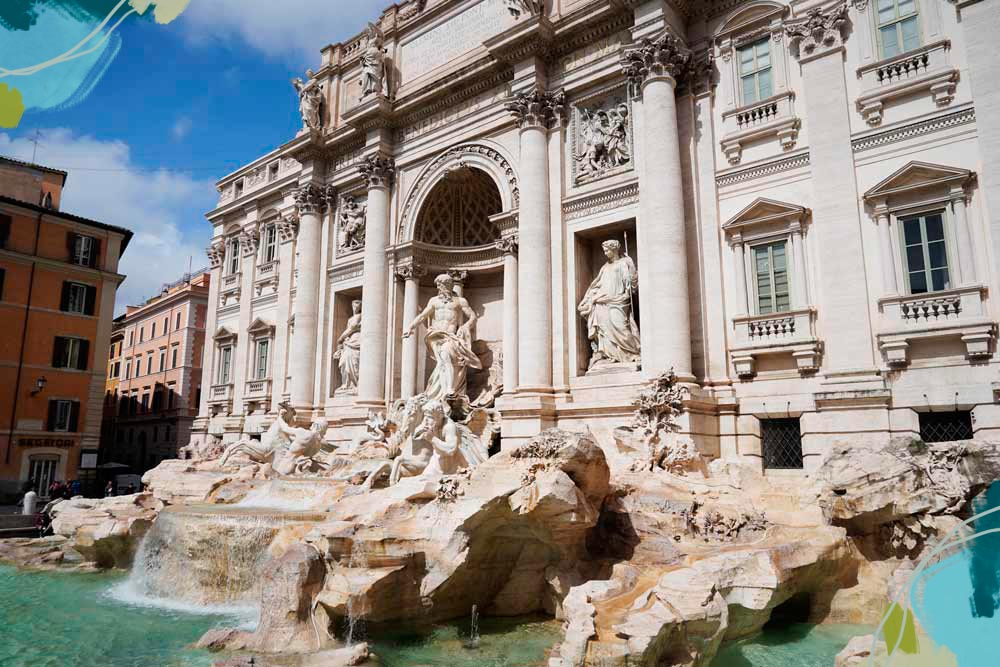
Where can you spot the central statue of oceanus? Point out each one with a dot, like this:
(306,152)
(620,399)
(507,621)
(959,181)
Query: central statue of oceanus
(449,340)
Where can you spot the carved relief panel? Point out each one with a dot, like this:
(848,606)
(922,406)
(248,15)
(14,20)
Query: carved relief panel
(601,137)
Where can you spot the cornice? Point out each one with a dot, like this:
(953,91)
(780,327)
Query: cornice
(920,128)
(765,169)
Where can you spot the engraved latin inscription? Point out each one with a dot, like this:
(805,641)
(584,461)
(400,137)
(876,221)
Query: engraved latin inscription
(456,36)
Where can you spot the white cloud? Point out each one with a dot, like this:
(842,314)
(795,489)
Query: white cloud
(163,209)
(290,29)
(181,128)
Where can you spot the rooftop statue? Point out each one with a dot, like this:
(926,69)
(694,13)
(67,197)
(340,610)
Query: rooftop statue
(373,63)
(449,340)
(519,8)
(310,101)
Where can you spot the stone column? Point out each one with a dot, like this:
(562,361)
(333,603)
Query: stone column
(653,70)
(535,112)
(216,253)
(378,170)
(740,252)
(820,49)
(410,275)
(966,257)
(889,285)
(288,229)
(509,246)
(302,361)
(980,23)
(459,276)
(799,297)
(242,363)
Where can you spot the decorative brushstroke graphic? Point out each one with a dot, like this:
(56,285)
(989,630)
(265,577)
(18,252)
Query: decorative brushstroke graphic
(11,106)
(58,50)
(951,616)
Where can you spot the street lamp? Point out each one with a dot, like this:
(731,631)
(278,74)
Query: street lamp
(39,385)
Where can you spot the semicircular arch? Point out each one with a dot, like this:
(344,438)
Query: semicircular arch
(484,156)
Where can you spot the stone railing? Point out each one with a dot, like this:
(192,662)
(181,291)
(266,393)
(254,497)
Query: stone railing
(767,119)
(257,389)
(255,176)
(956,313)
(925,69)
(221,392)
(267,269)
(791,332)
(230,281)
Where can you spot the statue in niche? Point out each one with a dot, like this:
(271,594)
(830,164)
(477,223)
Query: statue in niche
(373,63)
(605,138)
(519,8)
(310,101)
(449,340)
(352,224)
(348,354)
(607,307)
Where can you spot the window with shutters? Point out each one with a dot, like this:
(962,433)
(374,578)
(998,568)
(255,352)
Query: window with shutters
(61,415)
(925,253)
(84,250)
(76,298)
(770,266)
(70,353)
(898,26)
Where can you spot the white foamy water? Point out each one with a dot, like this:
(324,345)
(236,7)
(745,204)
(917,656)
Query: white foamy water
(129,593)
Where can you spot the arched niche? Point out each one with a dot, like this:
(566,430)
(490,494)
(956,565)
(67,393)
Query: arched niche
(460,210)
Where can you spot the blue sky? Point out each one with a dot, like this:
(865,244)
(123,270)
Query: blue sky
(179,106)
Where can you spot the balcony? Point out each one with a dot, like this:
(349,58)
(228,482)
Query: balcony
(792,332)
(220,393)
(257,390)
(927,69)
(956,313)
(770,118)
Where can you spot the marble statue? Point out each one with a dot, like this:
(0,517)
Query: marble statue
(352,224)
(348,354)
(373,63)
(607,307)
(310,101)
(276,438)
(604,134)
(305,445)
(449,340)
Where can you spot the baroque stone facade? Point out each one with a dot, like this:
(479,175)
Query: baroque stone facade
(804,191)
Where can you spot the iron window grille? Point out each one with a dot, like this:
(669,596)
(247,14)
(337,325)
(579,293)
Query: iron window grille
(782,444)
(946,426)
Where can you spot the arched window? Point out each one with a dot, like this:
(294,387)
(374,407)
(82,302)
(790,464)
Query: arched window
(459,209)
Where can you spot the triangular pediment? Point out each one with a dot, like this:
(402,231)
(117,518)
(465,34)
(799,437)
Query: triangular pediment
(763,210)
(259,326)
(917,175)
(222,333)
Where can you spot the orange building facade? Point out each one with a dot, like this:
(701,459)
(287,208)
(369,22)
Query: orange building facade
(154,375)
(58,278)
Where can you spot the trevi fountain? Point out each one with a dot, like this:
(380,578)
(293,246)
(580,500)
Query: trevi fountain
(575,334)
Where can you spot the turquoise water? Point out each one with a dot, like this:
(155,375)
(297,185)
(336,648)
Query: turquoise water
(72,620)
(797,645)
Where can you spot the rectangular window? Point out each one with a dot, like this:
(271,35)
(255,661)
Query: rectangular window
(925,253)
(42,470)
(898,30)
(171,394)
(163,359)
(3,274)
(269,247)
(233,262)
(225,364)
(178,324)
(142,334)
(946,426)
(770,265)
(152,331)
(755,71)
(63,415)
(263,346)
(131,337)
(77,298)
(128,369)
(166,324)
(781,442)
(149,364)
(145,403)
(70,353)
(173,357)
(83,250)
(5,221)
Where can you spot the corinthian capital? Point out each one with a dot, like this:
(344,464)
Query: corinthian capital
(537,108)
(410,272)
(508,245)
(216,254)
(249,240)
(665,55)
(288,226)
(378,170)
(310,198)
(820,30)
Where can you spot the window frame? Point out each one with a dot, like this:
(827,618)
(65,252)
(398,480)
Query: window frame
(224,372)
(269,244)
(233,248)
(896,23)
(752,265)
(56,427)
(163,359)
(260,373)
(83,250)
(149,363)
(173,355)
(81,289)
(900,217)
(755,71)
